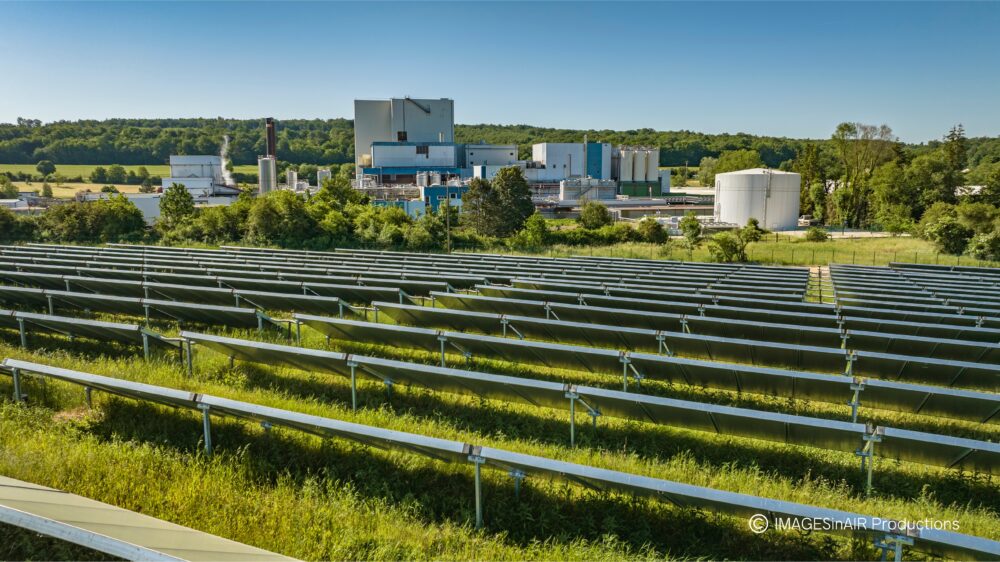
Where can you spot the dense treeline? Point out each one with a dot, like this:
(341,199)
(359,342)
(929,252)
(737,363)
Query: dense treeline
(331,141)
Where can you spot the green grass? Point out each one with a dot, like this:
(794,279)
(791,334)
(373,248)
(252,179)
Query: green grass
(315,499)
(69,190)
(73,170)
(788,250)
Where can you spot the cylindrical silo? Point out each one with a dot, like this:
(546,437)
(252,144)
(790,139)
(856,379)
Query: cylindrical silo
(639,166)
(653,164)
(770,196)
(625,165)
(267,174)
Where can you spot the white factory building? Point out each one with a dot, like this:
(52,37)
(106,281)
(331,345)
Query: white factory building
(400,120)
(202,175)
(770,196)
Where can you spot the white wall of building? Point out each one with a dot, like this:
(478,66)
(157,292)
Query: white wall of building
(490,154)
(770,196)
(406,155)
(384,120)
(566,157)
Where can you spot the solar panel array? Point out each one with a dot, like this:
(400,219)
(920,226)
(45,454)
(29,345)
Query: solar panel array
(902,338)
(935,541)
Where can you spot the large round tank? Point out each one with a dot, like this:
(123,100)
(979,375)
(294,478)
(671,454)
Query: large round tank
(639,166)
(770,196)
(267,174)
(653,165)
(625,165)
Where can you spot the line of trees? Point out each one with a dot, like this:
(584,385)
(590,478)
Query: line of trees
(331,141)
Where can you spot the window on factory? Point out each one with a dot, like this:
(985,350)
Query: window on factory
(423,149)
(401,136)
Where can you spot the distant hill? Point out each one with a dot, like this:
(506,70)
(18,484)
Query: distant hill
(331,141)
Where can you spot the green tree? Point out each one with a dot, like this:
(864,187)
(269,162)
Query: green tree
(109,189)
(861,149)
(731,245)
(652,231)
(117,174)
(978,217)
(7,188)
(46,168)
(533,236)
(594,214)
(808,167)
(816,234)
(46,190)
(990,192)
(817,196)
(949,235)
(729,161)
(99,175)
(956,149)
(706,171)
(176,206)
(514,196)
(481,207)
(691,230)
(985,246)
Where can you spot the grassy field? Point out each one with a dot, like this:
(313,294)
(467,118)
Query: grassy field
(73,170)
(68,190)
(324,499)
(787,250)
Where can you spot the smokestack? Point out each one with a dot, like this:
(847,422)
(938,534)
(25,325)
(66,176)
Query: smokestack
(272,139)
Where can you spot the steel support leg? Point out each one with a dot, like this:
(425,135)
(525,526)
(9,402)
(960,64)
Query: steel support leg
(145,346)
(52,308)
(16,374)
(855,402)
(517,475)
(189,357)
(87,391)
(298,330)
(206,424)
(478,462)
(354,386)
(23,332)
(442,340)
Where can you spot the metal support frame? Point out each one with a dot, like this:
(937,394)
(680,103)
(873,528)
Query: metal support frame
(872,436)
(851,358)
(857,386)
(573,396)
(145,313)
(189,357)
(443,341)
(16,375)
(684,325)
(354,385)
(87,396)
(518,476)
(298,332)
(895,544)
(52,307)
(478,462)
(662,347)
(145,346)
(206,424)
(23,332)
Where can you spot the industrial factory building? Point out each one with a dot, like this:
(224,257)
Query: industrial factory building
(203,176)
(770,196)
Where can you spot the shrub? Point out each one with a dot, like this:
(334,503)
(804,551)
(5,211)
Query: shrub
(816,234)
(594,215)
(985,246)
(650,230)
(949,235)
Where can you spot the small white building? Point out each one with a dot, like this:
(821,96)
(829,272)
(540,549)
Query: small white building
(14,203)
(202,175)
(770,196)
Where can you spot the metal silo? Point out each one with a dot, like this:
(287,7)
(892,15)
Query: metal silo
(639,166)
(625,165)
(653,165)
(770,196)
(267,174)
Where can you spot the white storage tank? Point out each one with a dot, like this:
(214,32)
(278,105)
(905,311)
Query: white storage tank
(653,165)
(770,196)
(267,173)
(639,166)
(625,165)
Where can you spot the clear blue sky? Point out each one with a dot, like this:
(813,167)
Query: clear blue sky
(792,68)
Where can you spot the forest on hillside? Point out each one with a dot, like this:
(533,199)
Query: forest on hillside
(331,141)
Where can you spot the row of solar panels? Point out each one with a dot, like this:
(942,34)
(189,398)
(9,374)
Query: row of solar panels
(323,298)
(934,281)
(945,543)
(980,407)
(846,437)
(231,316)
(657,315)
(129,334)
(960,269)
(904,286)
(697,335)
(688,281)
(809,313)
(680,280)
(889,289)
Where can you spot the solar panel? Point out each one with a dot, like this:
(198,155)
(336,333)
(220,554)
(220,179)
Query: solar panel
(33,279)
(25,296)
(797,430)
